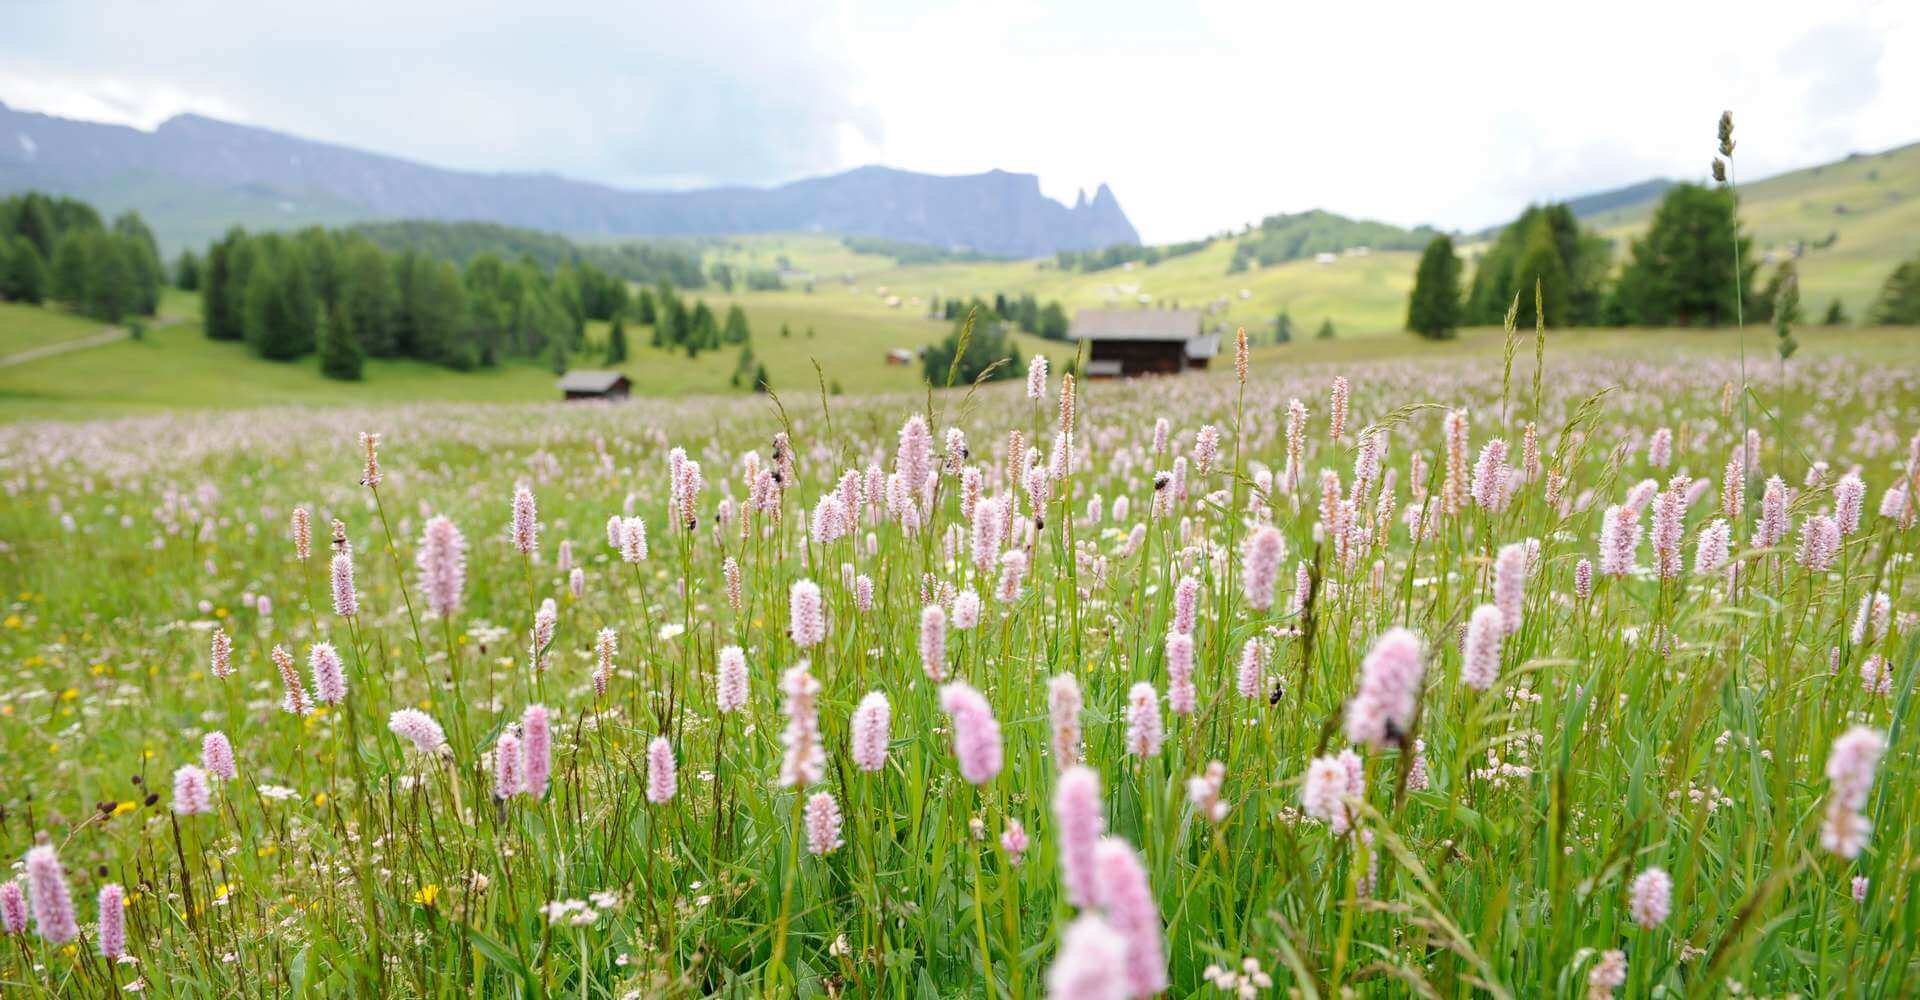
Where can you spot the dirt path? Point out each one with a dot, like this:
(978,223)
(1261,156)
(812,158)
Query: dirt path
(77,344)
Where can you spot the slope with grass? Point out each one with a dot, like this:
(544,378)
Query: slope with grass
(1868,205)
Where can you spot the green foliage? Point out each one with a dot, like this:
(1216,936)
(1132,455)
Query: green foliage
(370,299)
(906,254)
(70,265)
(1899,301)
(1836,314)
(1785,300)
(224,287)
(1681,273)
(186,271)
(736,330)
(340,355)
(617,341)
(982,347)
(1283,328)
(461,242)
(1281,238)
(23,272)
(282,313)
(1124,253)
(114,284)
(1326,331)
(1545,244)
(1433,311)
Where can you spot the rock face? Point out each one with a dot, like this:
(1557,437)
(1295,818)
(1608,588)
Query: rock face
(193,176)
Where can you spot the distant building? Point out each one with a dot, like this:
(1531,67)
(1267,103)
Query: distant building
(1125,342)
(585,384)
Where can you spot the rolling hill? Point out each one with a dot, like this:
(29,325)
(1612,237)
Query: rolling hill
(194,176)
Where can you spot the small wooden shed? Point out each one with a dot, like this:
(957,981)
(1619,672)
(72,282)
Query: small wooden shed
(1122,343)
(586,384)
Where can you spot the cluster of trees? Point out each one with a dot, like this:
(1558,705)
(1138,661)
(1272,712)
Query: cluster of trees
(1048,322)
(646,263)
(904,253)
(676,326)
(1898,303)
(967,355)
(1281,238)
(1125,253)
(1682,272)
(59,250)
(341,294)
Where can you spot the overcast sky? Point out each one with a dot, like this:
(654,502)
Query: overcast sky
(1201,114)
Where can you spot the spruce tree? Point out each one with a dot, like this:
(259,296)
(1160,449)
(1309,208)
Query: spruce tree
(340,354)
(25,272)
(1836,314)
(617,341)
(69,279)
(1326,329)
(186,272)
(1680,273)
(1541,270)
(113,278)
(1433,311)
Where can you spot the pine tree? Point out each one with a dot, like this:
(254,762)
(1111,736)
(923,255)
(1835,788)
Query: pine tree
(735,331)
(1681,272)
(1326,329)
(1283,328)
(340,354)
(186,272)
(70,266)
(1433,311)
(113,278)
(617,341)
(24,273)
(1898,303)
(1542,276)
(1836,314)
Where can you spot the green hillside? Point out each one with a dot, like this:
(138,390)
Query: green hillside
(1867,205)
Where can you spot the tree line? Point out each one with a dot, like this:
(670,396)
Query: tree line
(1048,322)
(1693,267)
(55,249)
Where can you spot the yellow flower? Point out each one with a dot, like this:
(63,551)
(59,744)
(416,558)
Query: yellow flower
(219,612)
(123,808)
(13,621)
(263,852)
(320,799)
(427,894)
(69,694)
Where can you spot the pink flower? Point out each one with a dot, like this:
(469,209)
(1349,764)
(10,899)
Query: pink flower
(1650,899)
(966,610)
(1489,487)
(1619,539)
(1390,675)
(1480,662)
(1013,840)
(525,526)
(113,922)
(633,540)
(1509,584)
(442,561)
(192,792)
(807,616)
(52,901)
(216,755)
(544,621)
(1078,824)
(1264,550)
(1128,901)
(329,680)
(1186,604)
(1850,770)
(805,761)
(1774,521)
(1144,731)
(295,702)
(1063,710)
(1203,791)
(1206,444)
(1712,547)
(1583,580)
(1660,448)
(1181,696)
(1037,377)
(536,745)
(823,824)
(346,603)
(1607,975)
(1251,679)
(417,728)
(509,766)
(1819,543)
(13,907)
(1849,498)
(976,734)
(1337,407)
(1013,570)
(730,680)
(302,534)
(872,723)
(606,646)
(221,663)
(933,642)
(1091,964)
(661,777)
(1329,782)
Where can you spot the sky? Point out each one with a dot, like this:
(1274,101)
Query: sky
(1202,115)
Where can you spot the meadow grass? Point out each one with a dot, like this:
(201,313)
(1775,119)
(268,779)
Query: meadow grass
(1476,842)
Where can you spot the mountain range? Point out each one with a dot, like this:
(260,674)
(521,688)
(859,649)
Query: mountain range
(194,176)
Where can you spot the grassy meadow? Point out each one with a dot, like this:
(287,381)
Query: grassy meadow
(1415,673)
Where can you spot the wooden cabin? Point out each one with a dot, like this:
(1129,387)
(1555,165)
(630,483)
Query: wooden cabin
(584,384)
(1122,343)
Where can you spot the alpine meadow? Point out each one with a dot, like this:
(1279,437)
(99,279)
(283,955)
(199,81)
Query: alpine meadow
(620,540)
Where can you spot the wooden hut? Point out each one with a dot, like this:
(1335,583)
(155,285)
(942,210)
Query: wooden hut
(585,384)
(1122,343)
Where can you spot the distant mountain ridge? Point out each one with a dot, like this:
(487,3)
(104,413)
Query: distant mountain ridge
(193,176)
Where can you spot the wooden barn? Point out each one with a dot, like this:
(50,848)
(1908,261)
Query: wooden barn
(1122,343)
(585,384)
